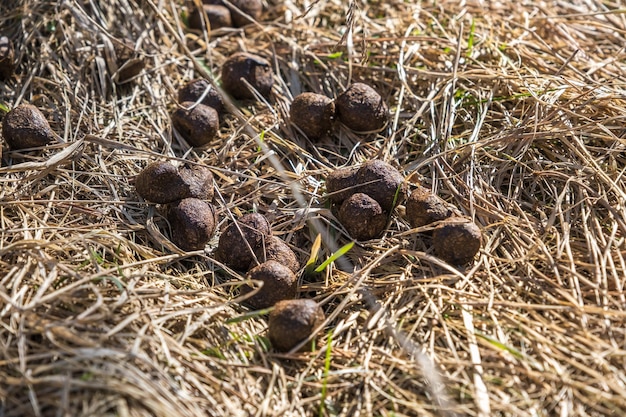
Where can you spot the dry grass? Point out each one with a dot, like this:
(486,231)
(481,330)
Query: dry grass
(512,111)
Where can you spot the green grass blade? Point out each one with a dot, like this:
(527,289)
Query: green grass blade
(516,353)
(326,372)
(396,196)
(250,315)
(342,251)
(470,39)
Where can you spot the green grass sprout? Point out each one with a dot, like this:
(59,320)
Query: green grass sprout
(327,361)
(340,252)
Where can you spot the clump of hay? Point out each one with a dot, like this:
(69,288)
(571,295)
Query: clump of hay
(513,113)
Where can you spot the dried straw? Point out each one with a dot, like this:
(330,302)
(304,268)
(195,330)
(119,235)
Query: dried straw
(513,112)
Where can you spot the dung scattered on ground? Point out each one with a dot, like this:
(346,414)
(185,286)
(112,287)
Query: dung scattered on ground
(193,223)
(279,283)
(293,321)
(457,241)
(243,71)
(313,114)
(362,109)
(26,127)
(239,241)
(197,124)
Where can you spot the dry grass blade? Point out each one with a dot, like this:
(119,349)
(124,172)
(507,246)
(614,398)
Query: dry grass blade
(512,112)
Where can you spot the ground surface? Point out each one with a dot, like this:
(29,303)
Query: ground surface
(512,111)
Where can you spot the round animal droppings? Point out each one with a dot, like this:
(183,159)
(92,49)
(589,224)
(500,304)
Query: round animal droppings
(293,321)
(216,16)
(362,217)
(26,127)
(274,249)
(193,223)
(279,283)
(255,70)
(197,125)
(161,182)
(361,108)
(239,9)
(457,241)
(128,60)
(193,90)
(341,184)
(424,208)
(7,58)
(239,241)
(382,182)
(313,114)
(198,181)
(252,8)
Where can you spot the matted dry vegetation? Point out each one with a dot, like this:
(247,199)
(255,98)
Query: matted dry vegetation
(512,111)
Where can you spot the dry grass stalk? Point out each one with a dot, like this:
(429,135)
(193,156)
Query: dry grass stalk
(513,112)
